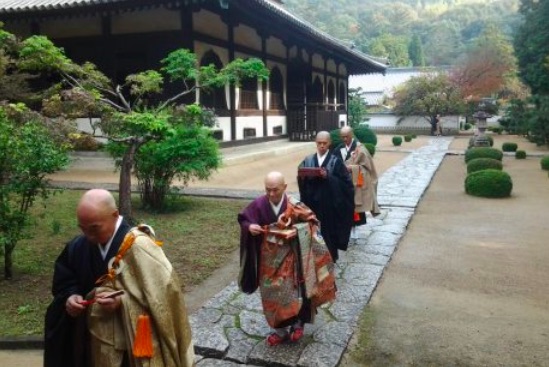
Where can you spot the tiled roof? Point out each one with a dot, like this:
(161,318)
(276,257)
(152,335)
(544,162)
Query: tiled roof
(21,6)
(371,64)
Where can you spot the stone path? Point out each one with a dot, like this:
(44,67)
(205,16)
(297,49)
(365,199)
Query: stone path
(230,329)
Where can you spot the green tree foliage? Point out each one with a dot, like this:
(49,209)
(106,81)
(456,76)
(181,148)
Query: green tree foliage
(187,152)
(415,51)
(488,66)
(444,26)
(29,150)
(532,45)
(428,95)
(134,113)
(357,107)
(393,48)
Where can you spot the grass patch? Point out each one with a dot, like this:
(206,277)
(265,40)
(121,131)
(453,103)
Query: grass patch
(198,235)
(366,351)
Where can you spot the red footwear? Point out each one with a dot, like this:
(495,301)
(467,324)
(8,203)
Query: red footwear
(274,339)
(296,333)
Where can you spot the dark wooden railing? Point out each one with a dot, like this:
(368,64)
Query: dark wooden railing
(303,126)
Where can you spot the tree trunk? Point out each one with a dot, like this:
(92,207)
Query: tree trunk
(125,184)
(8,261)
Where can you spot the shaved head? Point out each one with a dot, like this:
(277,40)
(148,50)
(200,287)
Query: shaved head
(275,186)
(323,142)
(97,215)
(346,130)
(346,134)
(322,135)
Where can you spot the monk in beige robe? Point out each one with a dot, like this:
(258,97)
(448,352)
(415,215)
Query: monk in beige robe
(151,291)
(360,164)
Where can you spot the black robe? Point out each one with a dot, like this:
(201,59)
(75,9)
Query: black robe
(76,270)
(331,199)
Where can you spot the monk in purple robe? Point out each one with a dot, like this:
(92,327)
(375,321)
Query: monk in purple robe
(286,316)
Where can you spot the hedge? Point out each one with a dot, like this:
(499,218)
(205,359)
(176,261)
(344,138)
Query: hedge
(397,140)
(545,163)
(509,147)
(371,148)
(489,183)
(483,152)
(520,154)
(362,133)
(479,164)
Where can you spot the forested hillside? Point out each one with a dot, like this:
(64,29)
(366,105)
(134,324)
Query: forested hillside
(410,32)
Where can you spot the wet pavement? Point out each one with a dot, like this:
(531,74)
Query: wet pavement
(230,329)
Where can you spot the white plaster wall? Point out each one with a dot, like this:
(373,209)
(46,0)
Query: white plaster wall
(251,122)
(342,70)
(247,36)
(273,121)
(331,66)
(293,52)
(318,61)
(389,120)
(85,125)
(275,47)
(72,27)
(224,123)
(210,24)
(151,20)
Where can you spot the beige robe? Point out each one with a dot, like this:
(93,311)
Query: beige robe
(151,286)
(360,160)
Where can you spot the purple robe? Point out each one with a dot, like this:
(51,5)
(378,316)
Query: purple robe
(259,212)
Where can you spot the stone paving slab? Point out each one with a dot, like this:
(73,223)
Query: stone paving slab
(230,329)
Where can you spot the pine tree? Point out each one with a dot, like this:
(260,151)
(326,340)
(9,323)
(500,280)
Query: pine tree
(415,51)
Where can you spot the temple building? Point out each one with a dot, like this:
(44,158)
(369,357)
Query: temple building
(309,70)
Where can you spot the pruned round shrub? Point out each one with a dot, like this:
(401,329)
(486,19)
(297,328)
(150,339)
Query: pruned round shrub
(84,142)
(414,136)
(362,133)
(371,148)
(545,163)
(397,140)
(509,147)
(489,183)
(365,135)
(467,126)
(479,164)
(407,138)
(490,139)
(520,154)
(483,152)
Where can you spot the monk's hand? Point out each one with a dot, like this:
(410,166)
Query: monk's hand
(73,306)
(323,173)
(255,229)
(350,169)
(109,304)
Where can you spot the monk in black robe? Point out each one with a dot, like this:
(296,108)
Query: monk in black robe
(326,187)
(77,268)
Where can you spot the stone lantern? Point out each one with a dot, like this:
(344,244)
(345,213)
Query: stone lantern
(481,140)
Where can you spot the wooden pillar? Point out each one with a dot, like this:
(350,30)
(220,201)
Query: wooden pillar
(34,28)
(232,90)
(325,88)
(264,36)
(337,86)
(186,15)
(107,49)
